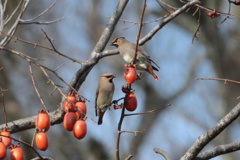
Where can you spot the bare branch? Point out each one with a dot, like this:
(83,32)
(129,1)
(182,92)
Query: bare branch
(128,157)
(204,139)
(13,13)
(61,54)
(134,132)
(43,23)
(148,112)
(167,20)
(147,37)
(29,122)
(28,58)
(219,150)
(39,15)
(169,6)
(163,153)
(4,107)
(35,87)
(139,31)
(42,46)
(96,54)
(106,34)
(219,79)
(14,18)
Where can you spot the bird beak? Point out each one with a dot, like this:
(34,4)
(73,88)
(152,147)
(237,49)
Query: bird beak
(114,44)
(114,76)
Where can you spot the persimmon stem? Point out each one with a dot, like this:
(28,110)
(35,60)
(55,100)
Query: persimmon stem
(4,109)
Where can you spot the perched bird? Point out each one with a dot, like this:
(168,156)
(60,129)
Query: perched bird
(143,61)
(104,95)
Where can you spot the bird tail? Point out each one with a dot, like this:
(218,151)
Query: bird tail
(100,117)
(150,70)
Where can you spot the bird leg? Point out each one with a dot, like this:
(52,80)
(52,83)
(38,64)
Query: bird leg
(118,106)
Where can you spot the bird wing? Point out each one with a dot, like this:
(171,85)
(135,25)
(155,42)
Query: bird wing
(96,109)
(146,55)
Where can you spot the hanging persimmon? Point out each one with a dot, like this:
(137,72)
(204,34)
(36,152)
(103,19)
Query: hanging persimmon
(130,74)
(5,140)
(81,109)
(69,103)
(131,102)
(3,150)
(69,120)
(80,129)
(16,153)
(43,121)
(41,141)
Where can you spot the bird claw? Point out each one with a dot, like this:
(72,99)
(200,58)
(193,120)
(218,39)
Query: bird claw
(138,76)
(126,89)
(118,106)
(130,65)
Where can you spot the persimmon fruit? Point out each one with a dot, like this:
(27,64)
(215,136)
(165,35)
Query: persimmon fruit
(130,74)
(41,141)
(3,150)
(68,103)
(80,129)
(5,140)
(131,102)
(43,121)
(81,109)
(16,153)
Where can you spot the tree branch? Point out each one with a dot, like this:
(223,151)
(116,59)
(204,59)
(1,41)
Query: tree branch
(163,153)
(204,139)
(56,117)
(166,20)
(219,150)
(96,54)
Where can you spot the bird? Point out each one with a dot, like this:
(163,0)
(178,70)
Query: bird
(127,51)
(104,95)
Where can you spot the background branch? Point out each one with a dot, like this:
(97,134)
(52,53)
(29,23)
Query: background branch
(204,139)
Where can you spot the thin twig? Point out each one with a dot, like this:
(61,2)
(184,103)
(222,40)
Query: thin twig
(41,46)
(119,133)
(219,79)
(41,14)
(148,112)
(227,17)
(169,6)
(134,132)
(128,157)
(61,92)
(210,10)
(163,153)
(196,33)
(4,108)
(55,50)
(139,31)
(42,23)
(25,143)
(35,87)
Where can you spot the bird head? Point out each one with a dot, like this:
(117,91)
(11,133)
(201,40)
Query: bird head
(108,76)
(117,41)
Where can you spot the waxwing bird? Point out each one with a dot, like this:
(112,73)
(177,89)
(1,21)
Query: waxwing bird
(104,95)
(127,51)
